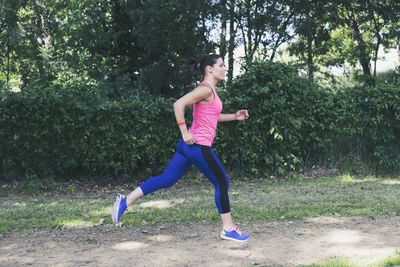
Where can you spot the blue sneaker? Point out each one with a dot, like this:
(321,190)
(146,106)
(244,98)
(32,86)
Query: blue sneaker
(119,208)
(234,235)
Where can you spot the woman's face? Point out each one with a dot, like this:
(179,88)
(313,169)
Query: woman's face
(218,70)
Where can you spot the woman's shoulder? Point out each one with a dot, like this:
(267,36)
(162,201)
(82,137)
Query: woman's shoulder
(207,84)
(204,88)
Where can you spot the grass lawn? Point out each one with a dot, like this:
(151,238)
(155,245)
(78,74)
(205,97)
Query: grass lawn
(193,200)
(393,260)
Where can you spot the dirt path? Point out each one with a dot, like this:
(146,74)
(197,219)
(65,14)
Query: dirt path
(271,244)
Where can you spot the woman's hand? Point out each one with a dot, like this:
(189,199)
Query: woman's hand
(188,138)
(242,114)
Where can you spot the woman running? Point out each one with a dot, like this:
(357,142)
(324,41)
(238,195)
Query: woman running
(195,147)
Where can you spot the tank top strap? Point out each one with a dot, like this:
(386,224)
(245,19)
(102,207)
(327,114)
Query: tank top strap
(210,84)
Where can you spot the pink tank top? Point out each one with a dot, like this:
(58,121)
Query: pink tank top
(205,119)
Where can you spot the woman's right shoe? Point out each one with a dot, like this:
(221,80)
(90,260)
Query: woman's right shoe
(119,208)
(234,235)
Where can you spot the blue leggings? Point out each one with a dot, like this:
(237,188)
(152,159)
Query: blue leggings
(205,159)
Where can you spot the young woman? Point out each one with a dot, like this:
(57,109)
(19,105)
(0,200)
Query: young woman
(195,147)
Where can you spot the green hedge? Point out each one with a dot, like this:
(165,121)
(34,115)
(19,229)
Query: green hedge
(293,124)
(79,134)
(370,121)
(291,120)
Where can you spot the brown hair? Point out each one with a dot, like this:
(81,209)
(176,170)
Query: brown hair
(208,60)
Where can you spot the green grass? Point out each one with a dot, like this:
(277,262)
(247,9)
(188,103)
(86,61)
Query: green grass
(192,201)
(393,260)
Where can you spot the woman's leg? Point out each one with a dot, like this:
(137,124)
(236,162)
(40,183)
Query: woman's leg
(134,195)
(206,160)
(212,168)
(227,221)
(174,171)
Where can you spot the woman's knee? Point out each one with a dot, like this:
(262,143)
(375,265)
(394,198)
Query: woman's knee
(223,185)
(166,181)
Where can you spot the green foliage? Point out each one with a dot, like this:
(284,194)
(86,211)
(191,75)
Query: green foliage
(370,120)
(290,119)
(389,77)
(295,124)
(149,43)
(76,132)
(79,134)
(113,44)
(154,44)
(393,260)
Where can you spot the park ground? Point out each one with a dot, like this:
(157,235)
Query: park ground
(338,220)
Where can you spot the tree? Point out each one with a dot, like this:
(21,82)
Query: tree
(228,14)
(35,22)
(9,36)
(312,27)
(232,39)
(369,22)
(176,36)
(252,23)
(150,47)
(283,12)
(354,19)
(391,31)
(224,20)
(265,26)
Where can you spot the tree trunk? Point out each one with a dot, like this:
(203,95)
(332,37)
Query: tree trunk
(377,29)
(249,31)
(258,33)
(274,50)
(8,60)
(42,25)
(376,57)
(361,46)
(398,50)
(203,24)
(232,34)
(310,58)
(281,32)
(222,47)
(40,35)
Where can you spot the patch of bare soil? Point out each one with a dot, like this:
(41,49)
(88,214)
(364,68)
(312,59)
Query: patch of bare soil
(271,244)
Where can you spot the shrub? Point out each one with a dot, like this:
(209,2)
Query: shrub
(80,134)
(291,120)
(77,133)
(370,118)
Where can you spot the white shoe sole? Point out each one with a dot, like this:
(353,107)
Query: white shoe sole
(114,212)
(233,239)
